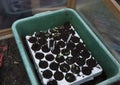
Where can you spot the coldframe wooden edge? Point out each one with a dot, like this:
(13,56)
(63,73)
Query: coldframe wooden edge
(6,33)
(114,7)
(71,4)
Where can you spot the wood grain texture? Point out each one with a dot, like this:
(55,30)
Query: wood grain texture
(6,33)
(116,4)
(114,7)
(71,4)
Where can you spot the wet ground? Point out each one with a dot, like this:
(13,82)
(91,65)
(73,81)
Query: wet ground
(12,71)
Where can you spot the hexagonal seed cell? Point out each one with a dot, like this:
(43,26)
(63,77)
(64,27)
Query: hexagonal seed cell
(63,58)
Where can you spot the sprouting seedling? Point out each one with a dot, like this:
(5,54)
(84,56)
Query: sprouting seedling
(65,69)
(47,35)
(55,29)
(59,56)
(76,68)
(68,77)
(73,66)
(56,34)
(66,53)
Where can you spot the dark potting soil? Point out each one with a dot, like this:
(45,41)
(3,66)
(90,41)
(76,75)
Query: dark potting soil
(45,48)
(47,74)
(39,55)
(52,31)
(65,52)
(72,32)
(40,35)
(65,36)
(91,62)
(56,37)
(60,58)
(75,52)
(43,64)
(70,60)
(32,39)
(80,46)
(86,70)
(42,41)
(64,67)
(75,69)
(85,54)
(54,66)
(80,61)
(75,39)
(55,51)
(61,44)
(70,45)
(49,57)
(52,82)
(58,75)
(35,47)
(70,77)
(66,25)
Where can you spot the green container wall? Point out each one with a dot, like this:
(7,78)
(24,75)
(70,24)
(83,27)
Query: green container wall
(51,19)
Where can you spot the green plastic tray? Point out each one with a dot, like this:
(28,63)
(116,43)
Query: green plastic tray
(50,19)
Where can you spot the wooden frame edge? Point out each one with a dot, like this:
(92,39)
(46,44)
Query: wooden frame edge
(114,7)
(6,33)
(71,4)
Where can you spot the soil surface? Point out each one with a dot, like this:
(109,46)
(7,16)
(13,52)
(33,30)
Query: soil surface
(12,71)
